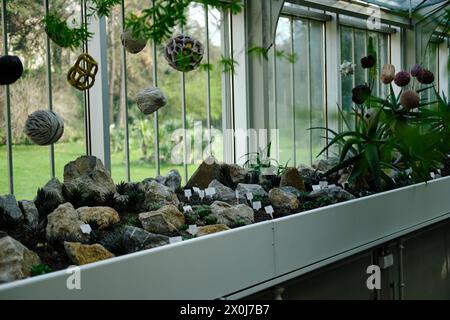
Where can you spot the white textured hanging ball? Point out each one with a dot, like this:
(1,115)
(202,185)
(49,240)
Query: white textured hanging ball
(130,43)
(184,53)
(150,100)
(44,127)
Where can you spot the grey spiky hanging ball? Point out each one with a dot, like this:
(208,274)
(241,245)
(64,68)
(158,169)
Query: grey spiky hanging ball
(184,53)
(44,127)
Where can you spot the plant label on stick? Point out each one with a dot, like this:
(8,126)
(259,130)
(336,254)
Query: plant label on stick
(257,205)
(316,187)
(187,209)
(196,190)
(323,184)
(249,196)
(188,194)
(210,191)
(237,195)
(269,210)
(332,186)
(86,228)
(432,175)
(192,229)
(201,194)
(175,239)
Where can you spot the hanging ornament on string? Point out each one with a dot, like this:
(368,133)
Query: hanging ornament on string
(11,69)
(44,127)
(150,100)
(184,53)
(131,44)
(82,74)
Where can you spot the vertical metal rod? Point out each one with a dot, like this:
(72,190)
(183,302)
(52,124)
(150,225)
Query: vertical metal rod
(183,118)
(208,81)
(309,91)
(9,154)
(49,91)
(293,91)
(353,61)
(156,117)
(325,84)
(87,107)
(275,93)
(125,97)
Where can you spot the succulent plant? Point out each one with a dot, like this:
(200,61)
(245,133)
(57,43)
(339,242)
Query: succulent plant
(46,203)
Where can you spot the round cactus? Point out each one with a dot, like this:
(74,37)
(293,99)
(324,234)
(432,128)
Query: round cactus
(44,127)
(184,53)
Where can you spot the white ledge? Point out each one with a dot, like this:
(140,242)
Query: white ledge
(241,261)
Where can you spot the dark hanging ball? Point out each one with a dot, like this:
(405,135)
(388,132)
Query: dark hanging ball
(11,69)
(425,76)
(361,93)
(368,62)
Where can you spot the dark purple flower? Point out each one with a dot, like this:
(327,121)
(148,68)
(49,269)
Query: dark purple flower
(361,93)
(416,70)
(368,62)
(402,78)
(425,76)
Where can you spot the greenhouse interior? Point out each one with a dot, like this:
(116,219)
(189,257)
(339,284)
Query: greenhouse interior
(225,149)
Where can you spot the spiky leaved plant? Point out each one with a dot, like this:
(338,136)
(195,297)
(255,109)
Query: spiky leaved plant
(46,203)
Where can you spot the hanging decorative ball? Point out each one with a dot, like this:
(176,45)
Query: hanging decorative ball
(368,62)
(416,70)
(184,53)
(425,76)
(410,99)
(150,100)
(387,73)
(361,93)
(82,74)
(402,78)
(44,127)
(131,44)
(11,69)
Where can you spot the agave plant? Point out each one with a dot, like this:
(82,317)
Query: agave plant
(366,150)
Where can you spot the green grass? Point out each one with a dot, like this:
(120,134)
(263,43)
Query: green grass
(31,167)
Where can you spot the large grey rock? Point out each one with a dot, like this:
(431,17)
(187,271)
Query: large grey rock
(136,239)
(172,180)
(30,213)
(310,175)
(292,178)
(255,189)
(64,225)
(157,193)
(166,220)
(88,174)
(233,173)
(10,208)
(283,199)
(16,260)
(224,193)
(55,187)
(336,194)
(229,215)
(205,173)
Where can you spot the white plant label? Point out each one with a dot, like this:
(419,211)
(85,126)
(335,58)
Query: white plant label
(237,195)
(332,186)
(323,184)
(193,229)
(187,209)
(196,190)
(257,205)
(249,196)
(201,194)
(86,228)
(316,187)
(432,175)
(175,239)
(188,193)
(269,210)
